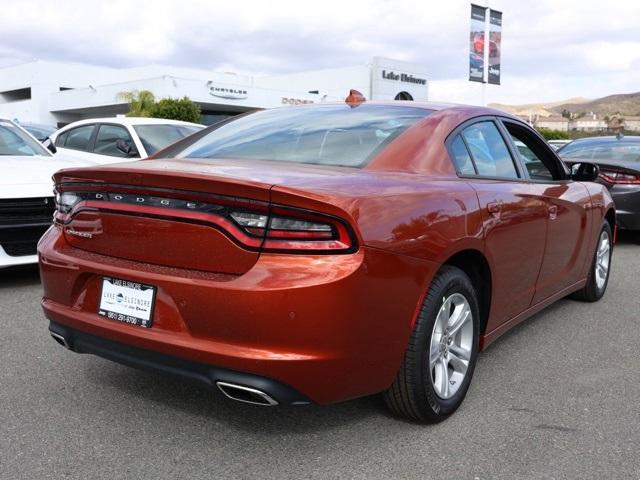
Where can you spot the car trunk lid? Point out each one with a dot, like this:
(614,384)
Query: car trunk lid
(178,213)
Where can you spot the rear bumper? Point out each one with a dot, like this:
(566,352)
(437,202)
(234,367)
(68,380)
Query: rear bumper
(205,375)
(332,327)
(627,201)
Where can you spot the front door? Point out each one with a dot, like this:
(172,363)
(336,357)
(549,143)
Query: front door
(514,218)
(568,218)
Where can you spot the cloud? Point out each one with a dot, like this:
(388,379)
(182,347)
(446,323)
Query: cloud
(551,49)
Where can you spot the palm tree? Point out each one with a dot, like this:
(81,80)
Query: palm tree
(140,102)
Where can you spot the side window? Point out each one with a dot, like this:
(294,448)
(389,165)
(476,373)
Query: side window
(106,140)
(461,157)
(535,155)
(61,139)
(78,138)
(488,150)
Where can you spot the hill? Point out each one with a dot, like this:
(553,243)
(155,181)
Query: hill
(624,103)
(544,109)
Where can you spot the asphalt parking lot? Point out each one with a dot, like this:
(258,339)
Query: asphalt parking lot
(557,397)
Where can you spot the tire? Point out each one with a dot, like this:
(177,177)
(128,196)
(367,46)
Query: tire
(421,391)
(596,286)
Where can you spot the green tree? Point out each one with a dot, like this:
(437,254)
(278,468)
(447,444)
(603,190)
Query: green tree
(140,102)
(183,109)
(550,134)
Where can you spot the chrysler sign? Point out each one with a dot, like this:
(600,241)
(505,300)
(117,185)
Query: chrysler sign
(230,93)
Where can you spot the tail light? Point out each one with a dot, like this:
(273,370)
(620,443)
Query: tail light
(291,229)
(619,177)
(285,229)
(255,225)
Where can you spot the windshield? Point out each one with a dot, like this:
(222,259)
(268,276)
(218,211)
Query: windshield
(328,134)
(156,137)
(626,150)
(14,141)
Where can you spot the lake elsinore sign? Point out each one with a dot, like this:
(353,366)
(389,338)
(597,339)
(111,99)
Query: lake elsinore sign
(403,77)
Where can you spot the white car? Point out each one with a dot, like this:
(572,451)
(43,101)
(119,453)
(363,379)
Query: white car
(120,139)
(26,193)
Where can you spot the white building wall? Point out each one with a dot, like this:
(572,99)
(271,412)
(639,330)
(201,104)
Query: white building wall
(332,84)
(44,79)
(199,91)
(367,79)
(95,89)
(553,125)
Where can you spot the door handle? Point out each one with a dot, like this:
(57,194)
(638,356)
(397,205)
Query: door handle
(494,208)
(553,212)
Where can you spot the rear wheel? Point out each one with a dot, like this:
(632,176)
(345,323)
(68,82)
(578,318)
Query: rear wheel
(598,277)
(440,359)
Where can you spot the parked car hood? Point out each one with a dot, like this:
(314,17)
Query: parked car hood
(30,176)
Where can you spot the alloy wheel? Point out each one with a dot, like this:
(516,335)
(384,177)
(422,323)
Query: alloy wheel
(451,345)
(603,258)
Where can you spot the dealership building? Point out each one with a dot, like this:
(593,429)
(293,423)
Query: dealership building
(59,93)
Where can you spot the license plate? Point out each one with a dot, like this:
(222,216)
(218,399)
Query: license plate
(127,302)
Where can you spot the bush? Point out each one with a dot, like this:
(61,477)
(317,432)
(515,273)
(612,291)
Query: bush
(554,134)
(183,109)
(143,104)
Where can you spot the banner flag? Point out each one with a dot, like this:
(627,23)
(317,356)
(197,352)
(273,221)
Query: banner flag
(476,43)
(495,37)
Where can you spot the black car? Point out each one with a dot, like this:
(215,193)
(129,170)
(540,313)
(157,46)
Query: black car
(619,161)
(40,131)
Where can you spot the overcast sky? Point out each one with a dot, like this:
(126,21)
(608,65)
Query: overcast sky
(552,49)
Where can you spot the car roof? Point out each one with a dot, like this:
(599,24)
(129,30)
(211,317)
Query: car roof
(132,121)
(608,139)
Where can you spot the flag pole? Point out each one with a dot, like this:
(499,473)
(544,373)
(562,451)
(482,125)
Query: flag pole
(485,54)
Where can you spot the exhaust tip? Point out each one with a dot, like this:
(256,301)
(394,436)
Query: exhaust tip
(240,393)
(60,339)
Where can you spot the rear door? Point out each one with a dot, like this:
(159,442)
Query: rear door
(77,142)
(105,150)
(567,203)
(514,217)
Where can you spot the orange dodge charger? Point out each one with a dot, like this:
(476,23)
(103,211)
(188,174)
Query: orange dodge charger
(324,252)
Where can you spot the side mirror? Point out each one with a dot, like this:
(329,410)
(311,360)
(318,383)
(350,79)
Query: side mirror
(49,145)
(126,148)
(585,172)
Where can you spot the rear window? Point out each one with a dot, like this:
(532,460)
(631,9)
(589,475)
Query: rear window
(325,135)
